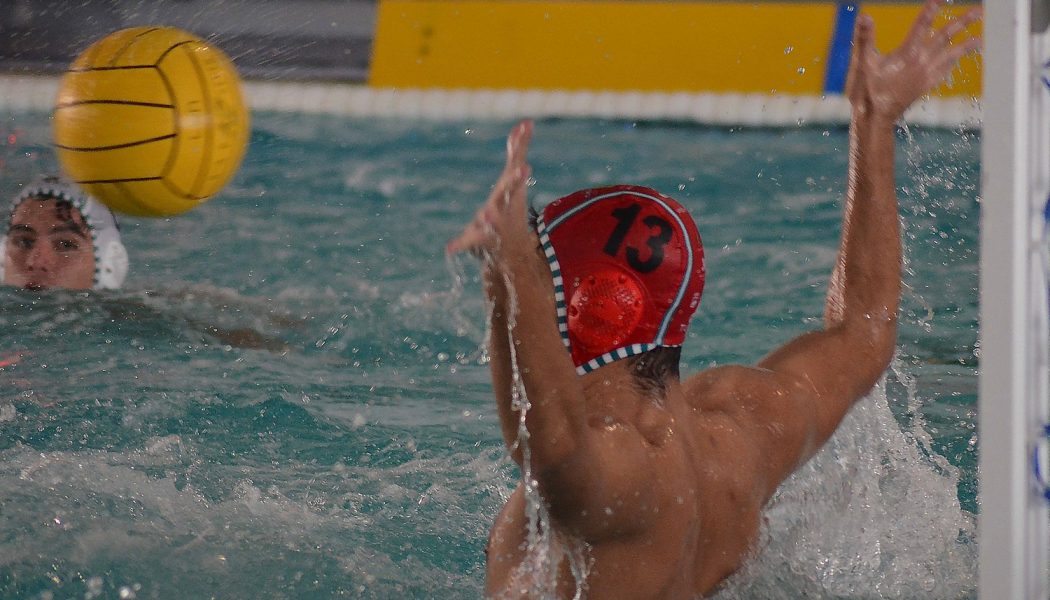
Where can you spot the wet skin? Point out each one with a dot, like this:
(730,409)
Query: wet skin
(667,492)
(48,246)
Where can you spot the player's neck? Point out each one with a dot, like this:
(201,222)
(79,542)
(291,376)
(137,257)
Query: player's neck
(613,393)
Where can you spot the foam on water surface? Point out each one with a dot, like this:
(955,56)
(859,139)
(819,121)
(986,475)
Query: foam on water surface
(291,396)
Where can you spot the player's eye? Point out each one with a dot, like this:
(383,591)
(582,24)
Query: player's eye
(23,242)
(66,245)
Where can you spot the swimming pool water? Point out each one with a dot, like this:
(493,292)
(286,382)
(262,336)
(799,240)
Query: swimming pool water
(289,398)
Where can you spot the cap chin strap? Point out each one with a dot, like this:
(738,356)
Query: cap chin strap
(112,266)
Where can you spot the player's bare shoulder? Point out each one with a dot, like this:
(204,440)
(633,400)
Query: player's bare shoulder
(727,389)
(725,419)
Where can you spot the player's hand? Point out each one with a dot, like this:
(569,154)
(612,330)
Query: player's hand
(884,86)
(501,221)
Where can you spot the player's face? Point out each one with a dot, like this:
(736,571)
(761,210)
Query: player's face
(48,246)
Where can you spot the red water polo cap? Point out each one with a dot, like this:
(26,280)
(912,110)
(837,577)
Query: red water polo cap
(628,270)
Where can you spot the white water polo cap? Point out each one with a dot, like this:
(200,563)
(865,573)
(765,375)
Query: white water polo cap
(111,258)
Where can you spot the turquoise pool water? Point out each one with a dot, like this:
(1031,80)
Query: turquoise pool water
(289,398)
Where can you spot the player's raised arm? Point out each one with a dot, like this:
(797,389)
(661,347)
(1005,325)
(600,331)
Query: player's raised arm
(808,385)
(524,322)
(500,365)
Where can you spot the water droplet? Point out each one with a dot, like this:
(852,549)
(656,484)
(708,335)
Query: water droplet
(789,50)
(802,70)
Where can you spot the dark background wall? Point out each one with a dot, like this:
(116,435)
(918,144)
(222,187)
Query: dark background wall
(267,39)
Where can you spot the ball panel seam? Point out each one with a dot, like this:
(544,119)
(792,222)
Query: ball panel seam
(209,133)
(130,43)
(116,146)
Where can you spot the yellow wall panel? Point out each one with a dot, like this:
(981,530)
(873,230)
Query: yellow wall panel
(615,45)
(646,46)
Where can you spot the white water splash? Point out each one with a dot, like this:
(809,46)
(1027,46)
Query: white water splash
(537,575)
(874,515)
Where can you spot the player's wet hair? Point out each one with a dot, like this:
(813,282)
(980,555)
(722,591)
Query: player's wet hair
(654,369)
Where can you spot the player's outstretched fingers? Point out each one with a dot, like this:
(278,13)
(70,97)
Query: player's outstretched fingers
(946,34)
(922,28)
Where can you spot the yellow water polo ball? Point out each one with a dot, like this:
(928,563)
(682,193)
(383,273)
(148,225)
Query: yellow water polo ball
(151,121)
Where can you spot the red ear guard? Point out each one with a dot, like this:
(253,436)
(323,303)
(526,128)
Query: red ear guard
(604,309)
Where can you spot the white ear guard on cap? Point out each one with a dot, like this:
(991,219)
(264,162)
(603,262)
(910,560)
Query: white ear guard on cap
(111,258)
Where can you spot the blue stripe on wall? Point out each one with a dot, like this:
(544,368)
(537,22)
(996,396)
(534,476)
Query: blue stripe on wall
(841,44)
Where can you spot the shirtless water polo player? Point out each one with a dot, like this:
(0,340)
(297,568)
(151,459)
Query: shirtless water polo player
(665,480)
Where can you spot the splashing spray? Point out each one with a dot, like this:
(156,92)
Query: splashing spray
(537,576)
